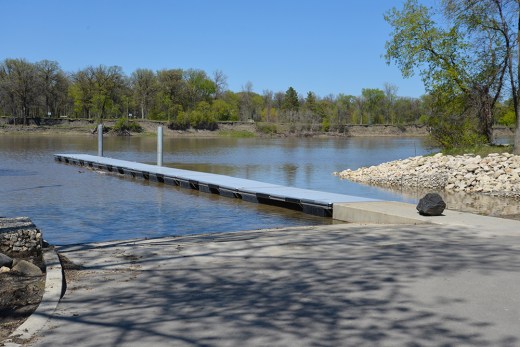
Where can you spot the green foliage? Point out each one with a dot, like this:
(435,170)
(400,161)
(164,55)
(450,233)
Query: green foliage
(465,59)
(99,91)
(182,122)
(291,102)
(455,131)
(237,133)
(224,111)
(157,116)
(449,122)
(124,125)
(325,125)
(310,102)
(266,128)
(505,114)
(482,150)
(423,119)
(508,118)
(373,100)
(202,118)
(418,43)
(183,98)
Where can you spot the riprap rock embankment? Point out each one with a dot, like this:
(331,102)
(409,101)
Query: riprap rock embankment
(495,174)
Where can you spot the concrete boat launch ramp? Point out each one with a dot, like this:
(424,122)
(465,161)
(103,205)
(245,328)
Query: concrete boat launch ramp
(308,201)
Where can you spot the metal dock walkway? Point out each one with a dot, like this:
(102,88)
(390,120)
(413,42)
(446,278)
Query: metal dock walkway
(305,200)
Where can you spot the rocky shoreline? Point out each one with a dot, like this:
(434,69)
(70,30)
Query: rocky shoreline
(495,174)
(22,272)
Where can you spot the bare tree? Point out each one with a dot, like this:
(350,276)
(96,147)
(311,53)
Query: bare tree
(268,102)
(54,85)
(220,81)
(145,86)
(246,102)
(20,84)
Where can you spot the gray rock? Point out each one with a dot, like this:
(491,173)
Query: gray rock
(431,205)
(5,260)
(26,268)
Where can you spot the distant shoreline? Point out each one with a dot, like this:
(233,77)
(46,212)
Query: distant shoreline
(230,129)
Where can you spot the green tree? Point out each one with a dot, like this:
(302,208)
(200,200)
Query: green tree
(82,91)
(462,63)
(291,102)
(390,100)
(198,87)
(224,111)
(406,110)
(345,105)
(99,91)
(327,113)
(495,27)
(201,115)
(172,95)
(310,102)
(373,100)
(110,87)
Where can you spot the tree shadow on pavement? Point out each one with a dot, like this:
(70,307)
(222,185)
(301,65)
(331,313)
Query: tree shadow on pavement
(345,285)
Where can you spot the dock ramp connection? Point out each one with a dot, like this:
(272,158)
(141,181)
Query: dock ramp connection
(308,201)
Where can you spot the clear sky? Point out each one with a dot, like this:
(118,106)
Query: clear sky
(324,46)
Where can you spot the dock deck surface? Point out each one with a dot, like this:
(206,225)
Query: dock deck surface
(309,201)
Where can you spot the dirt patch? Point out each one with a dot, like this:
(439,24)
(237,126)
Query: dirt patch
(19,296)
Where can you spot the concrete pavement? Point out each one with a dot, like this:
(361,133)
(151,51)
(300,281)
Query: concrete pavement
(335,285)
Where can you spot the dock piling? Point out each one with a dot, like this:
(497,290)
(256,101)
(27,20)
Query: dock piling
(159,146)
(100,140)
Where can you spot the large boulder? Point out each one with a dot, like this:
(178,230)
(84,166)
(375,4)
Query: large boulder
(26,268)
(431,205)
(5,260)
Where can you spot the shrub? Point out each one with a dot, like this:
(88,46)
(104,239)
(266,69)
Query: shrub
(508,118)
(124,125)
(182,122)
(455,131)
(267,128)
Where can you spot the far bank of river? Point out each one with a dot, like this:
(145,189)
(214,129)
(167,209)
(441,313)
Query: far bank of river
(228,129)
(233,129)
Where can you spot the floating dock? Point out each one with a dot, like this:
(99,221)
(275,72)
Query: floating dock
(308,201)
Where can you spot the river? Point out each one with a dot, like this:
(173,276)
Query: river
(74,205)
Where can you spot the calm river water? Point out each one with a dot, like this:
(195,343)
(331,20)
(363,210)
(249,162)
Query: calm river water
(72,204)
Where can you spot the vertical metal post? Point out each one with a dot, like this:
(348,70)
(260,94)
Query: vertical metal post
(100,140)
(159,146)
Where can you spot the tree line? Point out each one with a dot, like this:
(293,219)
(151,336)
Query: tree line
(193,98)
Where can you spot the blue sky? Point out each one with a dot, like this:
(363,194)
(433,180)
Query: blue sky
(325,46)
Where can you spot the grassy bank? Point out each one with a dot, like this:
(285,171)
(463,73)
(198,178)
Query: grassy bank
(483,150)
